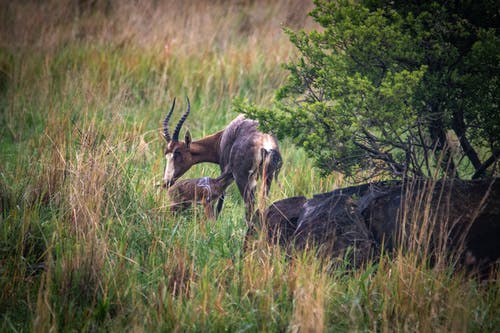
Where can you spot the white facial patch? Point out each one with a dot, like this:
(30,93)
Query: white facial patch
(169,168)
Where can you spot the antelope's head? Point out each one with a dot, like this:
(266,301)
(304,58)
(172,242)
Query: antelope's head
(177,153)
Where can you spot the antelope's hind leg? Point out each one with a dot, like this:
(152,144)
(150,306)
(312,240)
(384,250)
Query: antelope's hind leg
(247,191)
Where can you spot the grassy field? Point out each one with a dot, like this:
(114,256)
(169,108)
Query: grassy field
(86,239)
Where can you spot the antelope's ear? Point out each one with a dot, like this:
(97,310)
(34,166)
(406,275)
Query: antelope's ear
(187,138)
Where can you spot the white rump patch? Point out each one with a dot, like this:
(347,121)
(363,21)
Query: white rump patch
(268,142)
(169,168)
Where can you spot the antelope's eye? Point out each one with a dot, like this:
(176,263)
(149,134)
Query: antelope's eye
(177,154)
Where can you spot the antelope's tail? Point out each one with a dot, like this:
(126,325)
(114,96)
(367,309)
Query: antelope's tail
(271,165)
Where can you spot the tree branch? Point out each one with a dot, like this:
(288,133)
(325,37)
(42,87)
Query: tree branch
(395,167)
(460,128)
(482,169)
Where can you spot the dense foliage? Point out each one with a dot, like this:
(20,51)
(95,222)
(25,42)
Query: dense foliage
(394,88)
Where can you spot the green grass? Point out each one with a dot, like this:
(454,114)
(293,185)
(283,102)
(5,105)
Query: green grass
(86,238)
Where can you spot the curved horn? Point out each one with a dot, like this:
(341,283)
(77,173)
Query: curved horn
(165,123)
(179,125)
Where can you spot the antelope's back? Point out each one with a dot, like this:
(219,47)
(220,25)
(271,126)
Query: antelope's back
(188,190)
(241,144)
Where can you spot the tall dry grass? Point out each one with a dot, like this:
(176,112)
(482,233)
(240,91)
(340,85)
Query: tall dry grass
(193,27)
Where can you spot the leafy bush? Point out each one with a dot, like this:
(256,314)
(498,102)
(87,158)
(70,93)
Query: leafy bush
(394,89)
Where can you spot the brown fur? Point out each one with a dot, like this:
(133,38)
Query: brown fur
(240,148)
(199,190)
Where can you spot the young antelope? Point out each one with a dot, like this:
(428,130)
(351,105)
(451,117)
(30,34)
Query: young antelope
(199,190)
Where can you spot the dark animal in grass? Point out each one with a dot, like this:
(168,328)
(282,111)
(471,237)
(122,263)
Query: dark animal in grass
(281,219)
(455,220)
(334,225)
(330,224)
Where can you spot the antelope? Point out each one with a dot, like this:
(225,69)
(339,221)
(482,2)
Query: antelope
(199,190)
(240,149)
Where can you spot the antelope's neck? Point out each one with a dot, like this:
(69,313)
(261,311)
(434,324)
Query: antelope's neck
(207,149)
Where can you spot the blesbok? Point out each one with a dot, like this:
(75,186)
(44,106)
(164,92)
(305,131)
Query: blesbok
(199,190)
(240,149)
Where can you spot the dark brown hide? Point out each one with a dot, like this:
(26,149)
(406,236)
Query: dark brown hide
(460,219)
(281,219)
(333,224)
